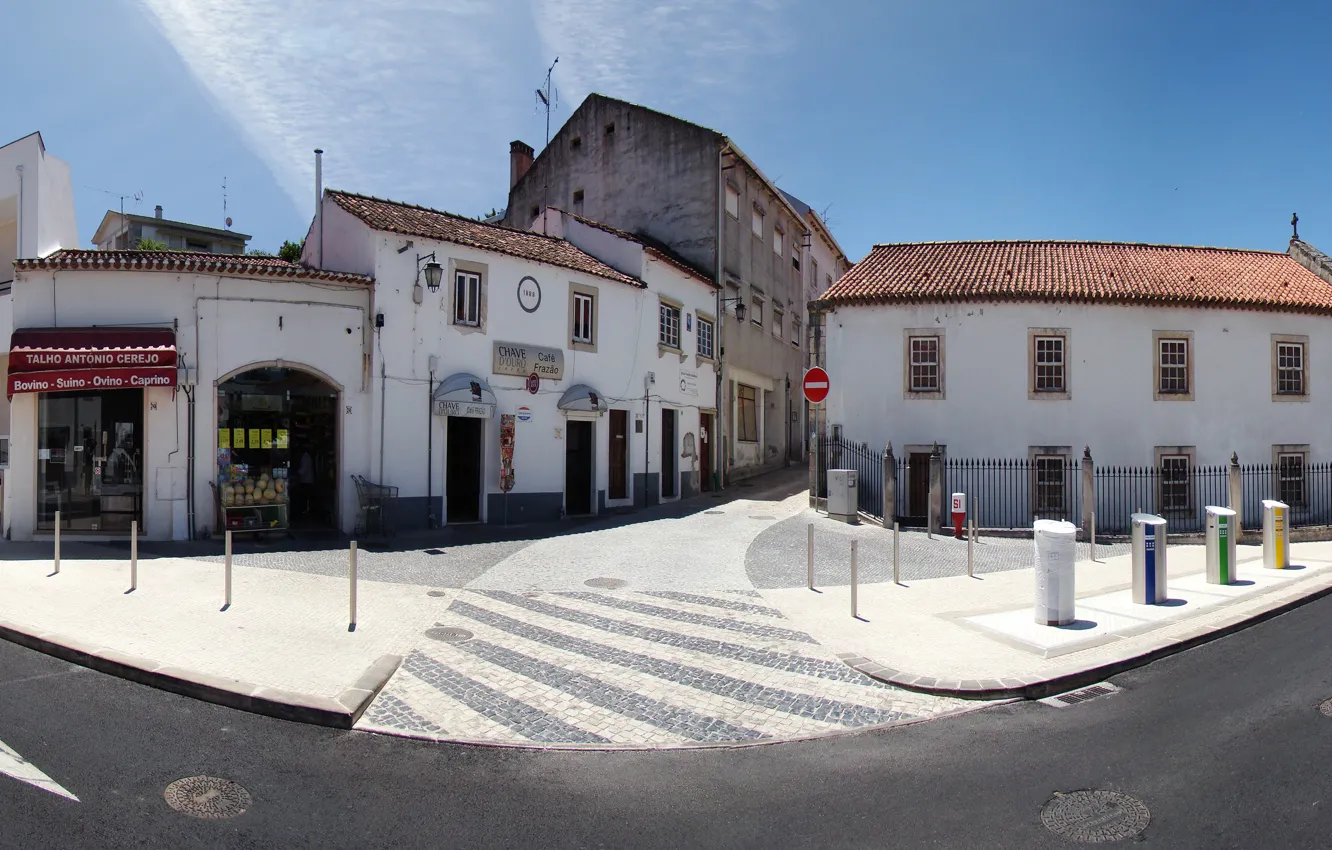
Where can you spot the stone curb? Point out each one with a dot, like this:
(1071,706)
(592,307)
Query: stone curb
(340,713)
(1022,688)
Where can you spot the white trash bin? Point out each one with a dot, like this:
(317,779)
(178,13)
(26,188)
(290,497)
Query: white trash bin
(1149,559)
(1056,550)
(1276,534)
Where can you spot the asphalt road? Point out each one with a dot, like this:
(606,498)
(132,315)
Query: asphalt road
(1224,744)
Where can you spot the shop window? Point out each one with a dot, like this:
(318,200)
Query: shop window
(747,401)
(90,460)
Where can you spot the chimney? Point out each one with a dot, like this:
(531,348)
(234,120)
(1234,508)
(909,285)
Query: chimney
(520,159)
(319,203)
(157,211)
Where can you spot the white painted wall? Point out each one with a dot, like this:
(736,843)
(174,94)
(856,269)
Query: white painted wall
(224,324)
(986,411)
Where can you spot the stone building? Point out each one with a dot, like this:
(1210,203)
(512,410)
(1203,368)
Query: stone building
(694,191)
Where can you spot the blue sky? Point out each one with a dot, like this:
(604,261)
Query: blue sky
(1174,122)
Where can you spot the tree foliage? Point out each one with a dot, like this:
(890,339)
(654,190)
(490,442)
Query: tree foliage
(146,244)
(291,251)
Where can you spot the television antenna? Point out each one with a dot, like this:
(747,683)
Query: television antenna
(548,98)
(224,201)
(137,196)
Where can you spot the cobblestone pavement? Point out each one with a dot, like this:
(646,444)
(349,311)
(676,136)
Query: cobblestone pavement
(630,668)
(778,556)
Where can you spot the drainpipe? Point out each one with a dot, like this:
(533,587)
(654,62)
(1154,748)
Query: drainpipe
(719,454)
(319,202)
(19,252)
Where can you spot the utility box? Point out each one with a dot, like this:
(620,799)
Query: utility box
(1276,534)
(1056,548)
(843,495)
(1221,534)
(1149,559)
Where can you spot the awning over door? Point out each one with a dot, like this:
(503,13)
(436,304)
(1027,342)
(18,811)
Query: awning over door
(464,394)
(66,359)
(581,397)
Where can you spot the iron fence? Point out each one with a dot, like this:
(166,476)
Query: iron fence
(1179,494)
(1014,493)
(1305,487)
(837,453)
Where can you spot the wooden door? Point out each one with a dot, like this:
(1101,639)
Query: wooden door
(918,485)
(705,451)
(578,450)
(619,454)
(668,450)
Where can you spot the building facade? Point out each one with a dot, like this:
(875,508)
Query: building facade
(122,231)
(1152,356)
(695,192)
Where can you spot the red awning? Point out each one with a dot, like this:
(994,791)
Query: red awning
(67,359)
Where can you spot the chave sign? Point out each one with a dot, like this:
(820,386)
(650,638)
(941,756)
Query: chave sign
(511,358)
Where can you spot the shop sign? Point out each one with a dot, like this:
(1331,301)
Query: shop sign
(472,409)
(524,414)
(103,358)
(511,358)
(688,382)
(92,379)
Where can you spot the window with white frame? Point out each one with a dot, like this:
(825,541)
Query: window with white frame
(732,201)
(924,364)
(778,322)
(795,331)
(669,326)
(1051,485)
(747,414)
(582,317)
(467,298)
(705,338)
(1173,366)
(1174,482)
(1290,368)
(756,310)
(1048,361)
(777,237)
(756,222)
(1290,478)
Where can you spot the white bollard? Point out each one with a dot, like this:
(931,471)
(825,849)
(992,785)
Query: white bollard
(897,578)
(854,579)
(352,574)
(226,574)
(134,555)
(57,545)
(1093,537)
(809,579)
(971,539)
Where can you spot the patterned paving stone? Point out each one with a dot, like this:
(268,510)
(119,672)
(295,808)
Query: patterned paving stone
(690,617)
(714,602)
(391,712)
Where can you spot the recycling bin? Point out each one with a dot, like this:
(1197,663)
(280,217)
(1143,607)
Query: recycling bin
(959,513)
(1221,534)
(1276,534)
(1056,548)
(1149,559)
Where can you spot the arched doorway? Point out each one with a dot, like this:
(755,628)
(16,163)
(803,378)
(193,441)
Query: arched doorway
(277,450)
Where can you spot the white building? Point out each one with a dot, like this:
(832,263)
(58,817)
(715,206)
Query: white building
(36,203)
(1150,355)
(619,411)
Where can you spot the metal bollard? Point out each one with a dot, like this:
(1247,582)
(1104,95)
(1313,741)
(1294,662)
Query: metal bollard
(897,578)
(854,579)
(971,539)
(56,571)
(975,512)
(226,573)
(809,580)
(351,627)
(1093,537)
(134,555)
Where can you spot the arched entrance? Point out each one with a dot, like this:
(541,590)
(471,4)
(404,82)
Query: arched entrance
(277,450)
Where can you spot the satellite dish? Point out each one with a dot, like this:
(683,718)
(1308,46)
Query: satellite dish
(228,221)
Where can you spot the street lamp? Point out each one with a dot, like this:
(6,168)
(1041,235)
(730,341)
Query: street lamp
(433,272)
(739,307)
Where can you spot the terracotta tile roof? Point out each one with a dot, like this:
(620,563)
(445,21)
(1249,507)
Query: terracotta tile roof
(411,220)
(658,249)
(183,261)
(1101,272)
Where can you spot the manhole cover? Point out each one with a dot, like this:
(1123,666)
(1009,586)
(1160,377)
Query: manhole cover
(1095,817)
(437,593)
(606,583)
(1326,707)
(434,551)
(448,634)
(207,797)
(713,513)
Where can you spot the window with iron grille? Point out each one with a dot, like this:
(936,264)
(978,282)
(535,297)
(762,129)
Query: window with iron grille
(1174,482)
(1174,365)
(669,326)
(705,338)
(1290,368)
(1049,364)
(582,325)
(1050,484)
(924,364)
(747,401)
(1290,477)
(467,299)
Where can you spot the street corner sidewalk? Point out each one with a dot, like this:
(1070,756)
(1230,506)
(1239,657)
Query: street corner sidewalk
(283,647)
(977,638)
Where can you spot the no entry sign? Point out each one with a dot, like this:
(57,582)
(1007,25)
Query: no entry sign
(816,385)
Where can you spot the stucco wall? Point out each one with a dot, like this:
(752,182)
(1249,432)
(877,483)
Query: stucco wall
(986,411)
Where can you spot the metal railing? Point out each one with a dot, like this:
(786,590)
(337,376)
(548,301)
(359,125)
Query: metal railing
(1179,497)
(1013,493)
(836,453)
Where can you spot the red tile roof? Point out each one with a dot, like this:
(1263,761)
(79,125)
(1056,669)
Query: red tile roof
(411,220)
(1094,272)
(183,261)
